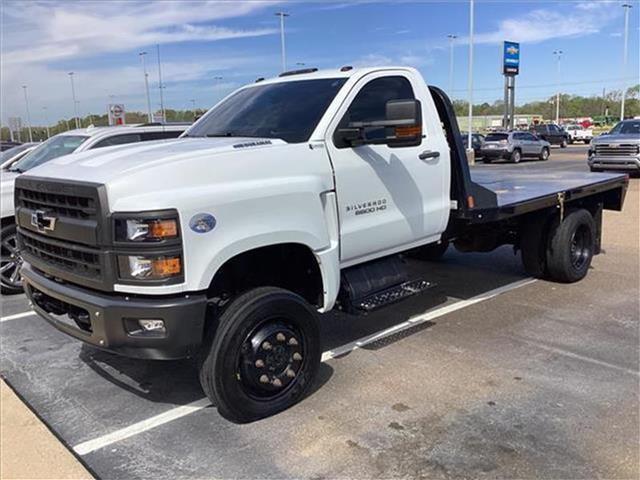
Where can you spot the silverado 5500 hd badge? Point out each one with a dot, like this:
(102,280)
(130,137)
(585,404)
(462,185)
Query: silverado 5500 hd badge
(367,207)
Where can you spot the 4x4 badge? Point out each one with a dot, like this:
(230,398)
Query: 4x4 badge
(42,222)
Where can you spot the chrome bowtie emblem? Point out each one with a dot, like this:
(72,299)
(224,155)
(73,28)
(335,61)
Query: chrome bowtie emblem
(42,222)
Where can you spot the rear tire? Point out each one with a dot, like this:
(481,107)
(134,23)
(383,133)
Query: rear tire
(264,356)
(544,154)
(431,252)
(570,247)
(516,156)
(486,160)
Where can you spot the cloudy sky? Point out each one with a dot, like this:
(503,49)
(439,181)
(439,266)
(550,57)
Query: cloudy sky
(239,41)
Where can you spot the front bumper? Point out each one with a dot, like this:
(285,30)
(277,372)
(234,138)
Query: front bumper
(105,320)
(615,163)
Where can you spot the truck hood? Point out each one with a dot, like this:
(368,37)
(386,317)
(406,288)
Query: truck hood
(105,164)
(628,138)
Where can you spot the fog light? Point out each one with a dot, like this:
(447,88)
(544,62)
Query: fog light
(156,326)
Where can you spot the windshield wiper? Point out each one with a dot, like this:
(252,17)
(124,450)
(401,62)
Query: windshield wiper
(225,134)
(16,169)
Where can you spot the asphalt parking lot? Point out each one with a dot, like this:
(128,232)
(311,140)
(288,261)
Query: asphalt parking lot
(490,374)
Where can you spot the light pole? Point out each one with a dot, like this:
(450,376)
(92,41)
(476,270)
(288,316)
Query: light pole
(146,86)
(558,54)
(75,103)
(46,120)
(470,75)
(626,7)
(26,103)
(284,57)
(160,84)
(452,39)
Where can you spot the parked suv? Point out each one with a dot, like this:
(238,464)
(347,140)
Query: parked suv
(513,146)
(552,134)
(617,150)
(73,141)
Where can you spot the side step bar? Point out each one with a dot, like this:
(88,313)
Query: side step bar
(378,283)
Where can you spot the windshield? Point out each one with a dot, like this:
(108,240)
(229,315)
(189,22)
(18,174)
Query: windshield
(627,128)
(496,137)
(13,151)
(53,148)
(289,111)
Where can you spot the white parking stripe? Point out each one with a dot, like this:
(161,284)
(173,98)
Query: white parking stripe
(16,316)
(143,426)
(422,318)
(179,412)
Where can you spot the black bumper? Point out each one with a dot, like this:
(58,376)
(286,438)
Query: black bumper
(494,153)
(107,321)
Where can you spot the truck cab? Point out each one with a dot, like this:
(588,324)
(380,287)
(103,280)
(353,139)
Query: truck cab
(289,198)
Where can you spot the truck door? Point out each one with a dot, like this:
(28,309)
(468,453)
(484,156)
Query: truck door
(388,198)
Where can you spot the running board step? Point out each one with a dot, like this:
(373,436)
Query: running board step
(392,295)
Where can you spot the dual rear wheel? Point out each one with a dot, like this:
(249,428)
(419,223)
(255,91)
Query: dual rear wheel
(560,251)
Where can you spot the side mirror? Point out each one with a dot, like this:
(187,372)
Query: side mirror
(402,127)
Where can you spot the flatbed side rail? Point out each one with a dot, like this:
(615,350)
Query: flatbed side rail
(468,194)
(609,193)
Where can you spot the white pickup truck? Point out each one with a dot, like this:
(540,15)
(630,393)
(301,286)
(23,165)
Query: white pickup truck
(577,133)
(290,197)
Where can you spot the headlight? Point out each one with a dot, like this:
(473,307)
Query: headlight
(139,267)
(146,229)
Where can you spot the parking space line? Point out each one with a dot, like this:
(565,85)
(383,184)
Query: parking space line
(181,411)
(17,315)
(139,427)
(422,318)
(576,356)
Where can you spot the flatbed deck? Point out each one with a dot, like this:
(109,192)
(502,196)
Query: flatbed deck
(522,192)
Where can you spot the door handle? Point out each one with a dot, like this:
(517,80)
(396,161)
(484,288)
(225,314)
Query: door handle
(428,154)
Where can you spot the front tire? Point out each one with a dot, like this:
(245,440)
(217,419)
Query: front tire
(11,261)
(264,356)
(571,246)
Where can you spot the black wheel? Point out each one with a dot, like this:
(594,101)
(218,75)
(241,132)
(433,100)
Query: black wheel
(516,156)
(563,144)
(486,160)
(264,356)
(544,154)
(11,261)
(432,251)
(571,246)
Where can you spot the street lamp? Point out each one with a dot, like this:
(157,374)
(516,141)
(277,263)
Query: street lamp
(46,120)
(75,103)
(284,58)
(626,7)
(26,102)
(470,79)
(146,86)
(164,119)
(452,39)
(558,54)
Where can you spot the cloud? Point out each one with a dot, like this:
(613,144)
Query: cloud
(80,29)
(546,24)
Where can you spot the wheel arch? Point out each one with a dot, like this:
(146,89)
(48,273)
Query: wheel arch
(293,266)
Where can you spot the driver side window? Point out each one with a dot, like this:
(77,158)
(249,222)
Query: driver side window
(370,104)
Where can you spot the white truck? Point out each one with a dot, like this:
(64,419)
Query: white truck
(289,198)
(578,133)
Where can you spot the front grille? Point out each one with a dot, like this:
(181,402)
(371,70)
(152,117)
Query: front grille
(616,150)
(63,205)
(80,261)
